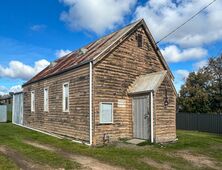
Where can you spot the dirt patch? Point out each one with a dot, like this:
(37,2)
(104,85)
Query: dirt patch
(157,165)
(86,161)
(37,145)
(198,160)
(20,161)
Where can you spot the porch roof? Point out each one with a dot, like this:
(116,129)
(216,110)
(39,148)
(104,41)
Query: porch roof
(148,82)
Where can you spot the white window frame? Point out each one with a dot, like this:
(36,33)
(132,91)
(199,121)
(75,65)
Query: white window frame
(46,105)
(100,112)
(63,97)
(32,101)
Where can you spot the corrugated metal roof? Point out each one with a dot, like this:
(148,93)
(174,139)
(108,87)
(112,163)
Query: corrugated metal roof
(5,97)
(91,52)
(81,55)
(148,82)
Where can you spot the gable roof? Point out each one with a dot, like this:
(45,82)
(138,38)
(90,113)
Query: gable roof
(94,51)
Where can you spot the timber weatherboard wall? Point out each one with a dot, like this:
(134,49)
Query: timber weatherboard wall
(165,116)
(112,77)
(75,123)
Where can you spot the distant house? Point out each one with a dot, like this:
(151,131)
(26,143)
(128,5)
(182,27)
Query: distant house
(119,86)
(6,99)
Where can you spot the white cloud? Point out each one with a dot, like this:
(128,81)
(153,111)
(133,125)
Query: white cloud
(173,54)
(38,28)
(40,65)
(182,73)
(15,89)
(200,64)
(19,70)
(61,53)
(4,90)
(96,15)
(163,16)
(2,93)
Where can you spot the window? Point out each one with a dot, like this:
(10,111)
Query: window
(139,40)
(66,97)
(106,113)
(32,101)
(46,99)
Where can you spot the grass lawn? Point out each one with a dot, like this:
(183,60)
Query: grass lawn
(193,150)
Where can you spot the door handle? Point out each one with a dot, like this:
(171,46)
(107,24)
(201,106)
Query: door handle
(146,116)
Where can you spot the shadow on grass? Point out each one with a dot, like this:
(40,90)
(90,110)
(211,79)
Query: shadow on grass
(9,117)
(145,143)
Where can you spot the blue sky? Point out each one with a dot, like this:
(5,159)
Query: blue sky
(33,33)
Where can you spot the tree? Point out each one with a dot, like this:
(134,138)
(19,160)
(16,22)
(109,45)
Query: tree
(214,71)
(202,91)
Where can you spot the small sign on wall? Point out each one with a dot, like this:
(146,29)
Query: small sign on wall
(121,103)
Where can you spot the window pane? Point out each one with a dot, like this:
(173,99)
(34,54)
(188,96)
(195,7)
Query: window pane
(106,113)
(46,99)
(66,97)
(66,103)
(66,90)
(32,101)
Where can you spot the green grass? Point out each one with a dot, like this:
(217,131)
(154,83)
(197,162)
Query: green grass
(130,157)
(199,142)
(12,136)
(6,163)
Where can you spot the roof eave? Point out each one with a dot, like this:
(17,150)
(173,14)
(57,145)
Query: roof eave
(58,73)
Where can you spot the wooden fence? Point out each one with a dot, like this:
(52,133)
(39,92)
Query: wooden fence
(200,121)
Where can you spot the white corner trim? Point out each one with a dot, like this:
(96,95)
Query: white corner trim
(90,103)
(151,116)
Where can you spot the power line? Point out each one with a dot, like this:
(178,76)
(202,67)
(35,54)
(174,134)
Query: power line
(185,22)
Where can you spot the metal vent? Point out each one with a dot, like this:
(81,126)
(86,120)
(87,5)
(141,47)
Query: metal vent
(83,50)
(139,40)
